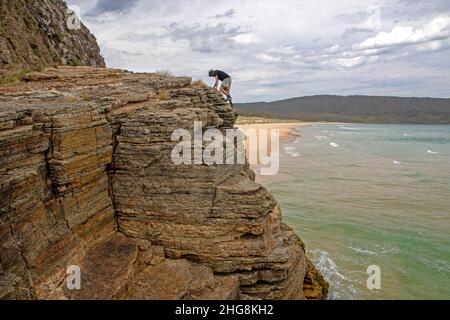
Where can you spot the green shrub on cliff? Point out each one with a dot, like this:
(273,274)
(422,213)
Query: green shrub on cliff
(73,62)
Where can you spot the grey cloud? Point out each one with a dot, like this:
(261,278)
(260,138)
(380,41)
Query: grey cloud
(397,82)
(425,3)
(351,31)
(108,6)
(205,38)
(410,2)
(138,37)
(230,13)
(352,18)
(412,10)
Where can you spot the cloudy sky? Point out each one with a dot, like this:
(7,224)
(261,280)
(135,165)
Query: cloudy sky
(284,48)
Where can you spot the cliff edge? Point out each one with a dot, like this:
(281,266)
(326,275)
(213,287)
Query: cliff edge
(86,179)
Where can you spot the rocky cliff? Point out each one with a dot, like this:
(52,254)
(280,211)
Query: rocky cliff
(86,179)
(36,34)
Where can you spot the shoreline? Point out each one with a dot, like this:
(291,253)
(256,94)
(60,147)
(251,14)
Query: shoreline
(286,128)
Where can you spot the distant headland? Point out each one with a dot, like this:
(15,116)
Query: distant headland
(360,109)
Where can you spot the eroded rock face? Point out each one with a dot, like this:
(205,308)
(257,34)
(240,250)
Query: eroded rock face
(36,34)
(86,179)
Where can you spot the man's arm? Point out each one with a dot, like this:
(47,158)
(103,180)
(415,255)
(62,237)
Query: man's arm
(217,82)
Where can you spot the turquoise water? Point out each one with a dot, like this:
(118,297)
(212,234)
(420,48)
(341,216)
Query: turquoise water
(362,195)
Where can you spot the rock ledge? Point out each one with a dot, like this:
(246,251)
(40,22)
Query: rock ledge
(86,179)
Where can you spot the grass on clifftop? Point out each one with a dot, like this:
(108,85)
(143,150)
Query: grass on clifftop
(12,77)
(164,73)
(199,84)
(164,95)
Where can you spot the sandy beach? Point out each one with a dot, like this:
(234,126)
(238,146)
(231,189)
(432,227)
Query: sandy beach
(285,127)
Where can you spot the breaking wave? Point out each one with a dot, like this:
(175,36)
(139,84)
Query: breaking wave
(334,145)
(341,286)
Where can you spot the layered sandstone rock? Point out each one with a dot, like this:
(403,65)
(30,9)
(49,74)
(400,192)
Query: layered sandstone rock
(86,179)
(36,34)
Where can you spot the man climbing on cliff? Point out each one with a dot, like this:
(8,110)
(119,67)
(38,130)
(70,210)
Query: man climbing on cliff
(226,83)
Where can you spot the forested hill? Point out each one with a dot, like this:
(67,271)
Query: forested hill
(367,109)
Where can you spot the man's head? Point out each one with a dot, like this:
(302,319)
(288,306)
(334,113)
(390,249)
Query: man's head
(212,73)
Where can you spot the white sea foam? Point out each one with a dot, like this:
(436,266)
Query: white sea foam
(340,285)
(396,162)
(431,152)
(320,138)
(363,251)
(292,151)
(334,145)
(383,249)
(328,266)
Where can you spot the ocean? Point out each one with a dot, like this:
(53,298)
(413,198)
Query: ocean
(362,195)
